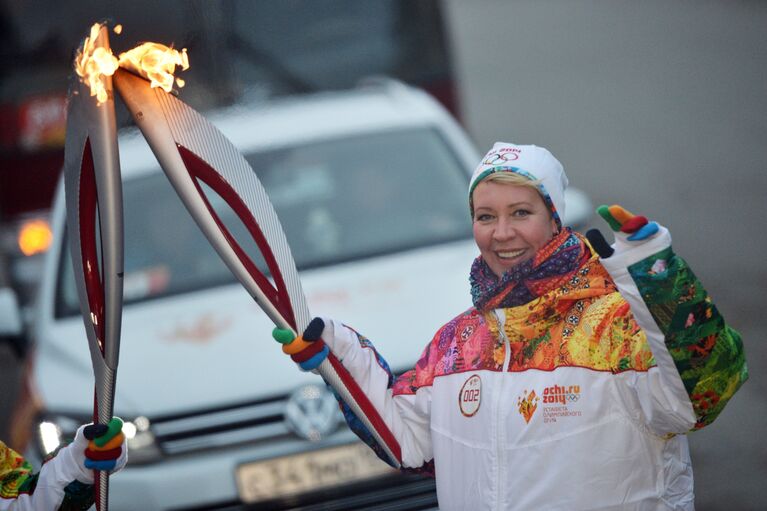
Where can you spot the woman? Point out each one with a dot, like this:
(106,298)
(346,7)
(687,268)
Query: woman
(572,380)
(65,481)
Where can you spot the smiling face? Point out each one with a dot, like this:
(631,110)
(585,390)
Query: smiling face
(511,223)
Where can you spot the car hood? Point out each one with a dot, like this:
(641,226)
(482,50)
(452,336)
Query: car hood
(212,348)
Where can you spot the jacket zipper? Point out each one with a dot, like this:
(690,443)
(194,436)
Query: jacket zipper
(507,347)
(501,429)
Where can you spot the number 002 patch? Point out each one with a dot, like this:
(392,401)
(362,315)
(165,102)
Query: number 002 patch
(470,396)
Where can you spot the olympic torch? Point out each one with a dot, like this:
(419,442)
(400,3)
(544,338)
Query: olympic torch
(192,152)
(95,221)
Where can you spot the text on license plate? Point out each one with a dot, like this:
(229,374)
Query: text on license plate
(299,473)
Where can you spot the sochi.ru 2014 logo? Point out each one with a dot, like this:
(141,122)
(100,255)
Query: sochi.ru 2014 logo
(527,403)
(562,394)
(558,401)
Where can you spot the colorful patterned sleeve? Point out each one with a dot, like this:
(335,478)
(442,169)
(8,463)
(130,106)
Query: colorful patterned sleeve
(707,353)
(16,476)
(403,389)
(364,434)
(354,423)
(19,487)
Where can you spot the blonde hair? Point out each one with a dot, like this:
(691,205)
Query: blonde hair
(512,178)
(509,178)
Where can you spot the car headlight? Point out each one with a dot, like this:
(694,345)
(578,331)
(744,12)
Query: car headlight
(53,430)
(142,447)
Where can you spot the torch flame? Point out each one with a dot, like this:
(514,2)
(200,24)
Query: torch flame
(153,61)
(94,63)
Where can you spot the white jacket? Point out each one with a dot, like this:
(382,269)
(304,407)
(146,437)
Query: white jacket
(568,436)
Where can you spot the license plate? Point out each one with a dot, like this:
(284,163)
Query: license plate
(315,470)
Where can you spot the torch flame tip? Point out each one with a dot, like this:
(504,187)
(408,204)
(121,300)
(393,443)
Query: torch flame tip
(95,62)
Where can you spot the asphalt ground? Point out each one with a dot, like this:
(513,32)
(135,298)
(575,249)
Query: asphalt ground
(658,106)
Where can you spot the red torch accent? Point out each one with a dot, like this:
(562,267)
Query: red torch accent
(367,408)
(88,236)
(88,203)
(200,170)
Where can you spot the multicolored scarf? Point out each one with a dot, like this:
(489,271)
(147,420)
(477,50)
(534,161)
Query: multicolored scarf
(552,264)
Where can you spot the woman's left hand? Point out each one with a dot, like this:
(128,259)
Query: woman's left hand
(629,229)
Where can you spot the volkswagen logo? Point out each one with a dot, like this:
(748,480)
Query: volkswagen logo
(312,412)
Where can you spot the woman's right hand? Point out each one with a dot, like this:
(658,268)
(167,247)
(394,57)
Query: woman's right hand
(307,350)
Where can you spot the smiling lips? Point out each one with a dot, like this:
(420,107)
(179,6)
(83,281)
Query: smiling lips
(510,254)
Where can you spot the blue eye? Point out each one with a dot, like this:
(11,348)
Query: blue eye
(484,217)
(522,212)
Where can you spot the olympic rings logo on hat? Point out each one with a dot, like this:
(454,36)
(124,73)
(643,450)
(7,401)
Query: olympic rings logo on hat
(495,159)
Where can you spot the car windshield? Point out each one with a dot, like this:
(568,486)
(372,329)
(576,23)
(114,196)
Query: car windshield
(338,200)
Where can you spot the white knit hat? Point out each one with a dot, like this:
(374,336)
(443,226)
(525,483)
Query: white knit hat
(530,161)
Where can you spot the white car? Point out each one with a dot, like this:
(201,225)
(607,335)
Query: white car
(370,186)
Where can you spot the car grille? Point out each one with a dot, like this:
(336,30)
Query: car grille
(263,422)
(221,427)
(394,493)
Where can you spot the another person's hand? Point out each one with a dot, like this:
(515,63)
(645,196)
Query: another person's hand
(95,447)
(104,446)
(629,229)
(307,350)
